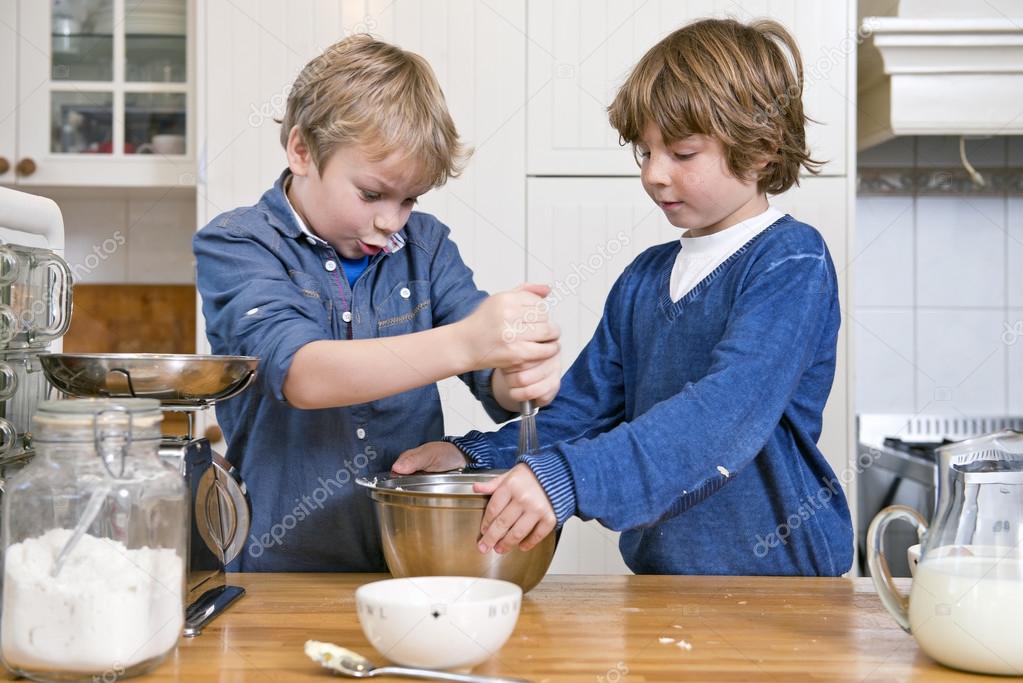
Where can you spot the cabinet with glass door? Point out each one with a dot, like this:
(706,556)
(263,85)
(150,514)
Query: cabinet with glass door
(104,93)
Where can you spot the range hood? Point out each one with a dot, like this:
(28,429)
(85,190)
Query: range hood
(939,67)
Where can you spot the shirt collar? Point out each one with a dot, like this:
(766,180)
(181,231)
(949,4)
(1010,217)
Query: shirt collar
(309,234)
(741,232)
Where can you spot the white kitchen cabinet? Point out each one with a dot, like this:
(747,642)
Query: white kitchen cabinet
(580,51)
(102,92)
(8,85)
(583,232)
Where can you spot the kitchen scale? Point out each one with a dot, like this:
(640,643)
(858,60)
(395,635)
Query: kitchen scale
(220,510)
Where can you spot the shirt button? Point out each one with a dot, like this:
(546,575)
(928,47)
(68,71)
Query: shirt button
(311,241)
(347,316)
(361,433)
(405,293)
(331,266)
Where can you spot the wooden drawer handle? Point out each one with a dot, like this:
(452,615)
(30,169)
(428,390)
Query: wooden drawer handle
(5,165)
(26,167)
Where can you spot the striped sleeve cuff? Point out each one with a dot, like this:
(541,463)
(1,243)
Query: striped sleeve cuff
(555,477)
(477,449)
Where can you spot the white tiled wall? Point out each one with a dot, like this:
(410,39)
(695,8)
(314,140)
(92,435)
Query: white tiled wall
(939,289)
(1015,267)
(1015,364)
(119,236)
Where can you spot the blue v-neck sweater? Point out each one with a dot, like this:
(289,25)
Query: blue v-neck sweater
(692,426)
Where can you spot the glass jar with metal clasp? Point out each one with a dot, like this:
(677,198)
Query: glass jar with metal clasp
(94,540)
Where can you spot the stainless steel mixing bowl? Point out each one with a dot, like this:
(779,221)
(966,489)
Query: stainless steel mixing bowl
(430,525)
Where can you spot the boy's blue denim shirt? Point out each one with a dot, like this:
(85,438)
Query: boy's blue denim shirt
(267,290)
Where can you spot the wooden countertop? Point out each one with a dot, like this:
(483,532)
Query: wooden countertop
(589,628)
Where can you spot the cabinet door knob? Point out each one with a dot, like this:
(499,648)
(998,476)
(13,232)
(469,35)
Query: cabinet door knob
(5,165)
(26,167)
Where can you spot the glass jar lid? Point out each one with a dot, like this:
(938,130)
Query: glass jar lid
(84,418)
(86,409)
(108,428)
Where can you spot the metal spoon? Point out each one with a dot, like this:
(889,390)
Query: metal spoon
(354,665)
(92,508)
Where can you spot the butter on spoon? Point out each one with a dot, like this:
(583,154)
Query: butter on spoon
(354,665)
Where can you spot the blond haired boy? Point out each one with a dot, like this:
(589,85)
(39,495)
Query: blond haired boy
(690,420)
(355,305)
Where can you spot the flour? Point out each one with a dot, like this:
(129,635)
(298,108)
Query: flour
(109,608)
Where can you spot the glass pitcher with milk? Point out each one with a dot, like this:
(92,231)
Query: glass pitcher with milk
(965,608)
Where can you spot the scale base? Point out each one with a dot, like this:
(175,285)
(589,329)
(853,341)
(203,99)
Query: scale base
(208,607)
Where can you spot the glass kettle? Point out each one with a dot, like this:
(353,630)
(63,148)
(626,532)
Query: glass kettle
(965,608)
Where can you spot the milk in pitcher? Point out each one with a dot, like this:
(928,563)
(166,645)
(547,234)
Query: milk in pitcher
(966,609)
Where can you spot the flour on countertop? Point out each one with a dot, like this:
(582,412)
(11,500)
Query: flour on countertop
(110,606)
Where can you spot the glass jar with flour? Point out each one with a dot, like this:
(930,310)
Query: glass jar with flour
(94,537)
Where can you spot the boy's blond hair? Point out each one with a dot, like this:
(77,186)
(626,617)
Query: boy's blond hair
(730,81)
(384,99)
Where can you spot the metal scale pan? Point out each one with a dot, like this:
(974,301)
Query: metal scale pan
(178,381)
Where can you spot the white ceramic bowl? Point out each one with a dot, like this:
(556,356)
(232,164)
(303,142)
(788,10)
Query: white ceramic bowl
(438,622)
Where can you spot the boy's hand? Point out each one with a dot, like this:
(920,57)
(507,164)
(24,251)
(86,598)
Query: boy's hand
(435,456)
(511,329)
(519,514)
(538,382)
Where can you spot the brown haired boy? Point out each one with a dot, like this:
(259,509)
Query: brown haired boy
(690,420)
(356,306)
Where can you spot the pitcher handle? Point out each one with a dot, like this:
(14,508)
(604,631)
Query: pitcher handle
(894,601)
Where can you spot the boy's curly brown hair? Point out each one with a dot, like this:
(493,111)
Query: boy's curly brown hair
(741,84)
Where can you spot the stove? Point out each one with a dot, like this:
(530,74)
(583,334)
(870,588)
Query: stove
(897,464)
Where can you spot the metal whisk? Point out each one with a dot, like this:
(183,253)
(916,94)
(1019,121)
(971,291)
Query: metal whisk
(527,428)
